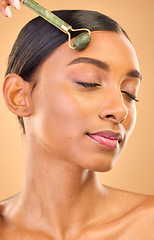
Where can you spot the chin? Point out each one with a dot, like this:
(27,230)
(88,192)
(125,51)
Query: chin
(99,165)
(101,168)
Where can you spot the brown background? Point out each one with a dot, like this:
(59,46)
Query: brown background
(135,169)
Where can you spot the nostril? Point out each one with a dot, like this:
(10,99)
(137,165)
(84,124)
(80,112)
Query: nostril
(110,116)
(113,112)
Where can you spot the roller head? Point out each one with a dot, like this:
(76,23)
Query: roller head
(82,41)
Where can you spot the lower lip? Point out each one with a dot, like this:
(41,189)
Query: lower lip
(111,143)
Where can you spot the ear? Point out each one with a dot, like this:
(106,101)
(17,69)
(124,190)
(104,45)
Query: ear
(17,95)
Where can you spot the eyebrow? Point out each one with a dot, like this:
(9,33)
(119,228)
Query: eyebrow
(97,63)
(134,74)
(104,66)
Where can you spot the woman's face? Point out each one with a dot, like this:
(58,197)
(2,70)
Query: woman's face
(83,102)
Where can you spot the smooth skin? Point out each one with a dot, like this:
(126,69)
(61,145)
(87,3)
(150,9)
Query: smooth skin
(61,198)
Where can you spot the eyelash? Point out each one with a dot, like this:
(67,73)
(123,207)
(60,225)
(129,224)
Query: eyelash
(88,85)
(130,96)
(91,85)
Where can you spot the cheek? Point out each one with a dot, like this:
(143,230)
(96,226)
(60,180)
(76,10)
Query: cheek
(130,120)
(59,120)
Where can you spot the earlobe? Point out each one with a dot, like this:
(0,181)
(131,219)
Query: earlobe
(17,95)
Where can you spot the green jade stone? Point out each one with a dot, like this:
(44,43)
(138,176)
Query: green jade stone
(44,13)
(82,41)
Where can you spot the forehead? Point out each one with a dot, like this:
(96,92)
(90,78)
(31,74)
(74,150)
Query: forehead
(111,47)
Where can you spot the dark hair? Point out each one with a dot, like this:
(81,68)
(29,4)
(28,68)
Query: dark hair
(38,39)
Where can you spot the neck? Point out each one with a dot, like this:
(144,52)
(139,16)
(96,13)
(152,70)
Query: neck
(54,189)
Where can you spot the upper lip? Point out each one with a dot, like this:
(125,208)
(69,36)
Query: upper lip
(109,134)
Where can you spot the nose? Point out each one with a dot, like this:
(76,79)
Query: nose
(113,108)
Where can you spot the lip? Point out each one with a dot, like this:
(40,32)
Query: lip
(109,139)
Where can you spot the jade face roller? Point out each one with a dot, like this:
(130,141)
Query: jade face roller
(80,42)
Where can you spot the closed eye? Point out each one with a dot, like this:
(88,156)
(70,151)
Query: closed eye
(88,85)
(130,96)
(93,85)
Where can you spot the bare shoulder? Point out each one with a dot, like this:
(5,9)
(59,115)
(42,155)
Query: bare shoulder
(137,213)
(4,206)
(145,212)
(134,198)
(141,217)
(135,202)
(141,202)
(130,216)
(2,225)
